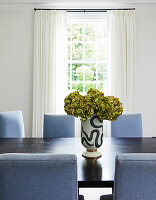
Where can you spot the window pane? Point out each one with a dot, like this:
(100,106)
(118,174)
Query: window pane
(100,86)
(89,32)
(90,51)
(77,86)
(90,72)
(89,76)
(89,85)
(68,51)
(68,67)
(68,32)
(76,32)
(79,71)
(101,67)
(68,85)
(80,75)
(68,76)
(90,67)
(77,51)
(76,66)
(100,77)
(74,76)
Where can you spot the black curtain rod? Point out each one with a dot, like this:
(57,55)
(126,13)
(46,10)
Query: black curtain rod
(85,10)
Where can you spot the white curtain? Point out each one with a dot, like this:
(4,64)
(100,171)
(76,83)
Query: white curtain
(122,57)
(50,63)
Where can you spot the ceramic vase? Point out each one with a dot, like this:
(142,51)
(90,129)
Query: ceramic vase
(92,137)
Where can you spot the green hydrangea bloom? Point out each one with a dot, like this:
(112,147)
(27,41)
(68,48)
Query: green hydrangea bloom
(94,102)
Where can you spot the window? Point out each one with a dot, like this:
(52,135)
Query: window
(87,53)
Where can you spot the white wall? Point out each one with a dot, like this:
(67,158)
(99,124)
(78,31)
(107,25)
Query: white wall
(146,68)
(16,64)
(16,54)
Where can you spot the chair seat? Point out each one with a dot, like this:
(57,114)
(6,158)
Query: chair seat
(81,197)
(106,197)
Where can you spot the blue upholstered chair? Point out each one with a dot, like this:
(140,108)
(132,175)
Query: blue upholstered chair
(38,176)
(57,126)
(11,124)
(135,177)
(127,125)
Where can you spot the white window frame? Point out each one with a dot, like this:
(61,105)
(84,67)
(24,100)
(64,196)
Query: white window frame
(81,17)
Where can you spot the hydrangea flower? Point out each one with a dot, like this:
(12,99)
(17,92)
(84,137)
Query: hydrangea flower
(94,102)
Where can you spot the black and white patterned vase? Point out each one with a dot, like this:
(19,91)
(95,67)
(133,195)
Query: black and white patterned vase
(92,137)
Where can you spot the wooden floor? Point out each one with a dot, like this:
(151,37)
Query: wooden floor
(94,193)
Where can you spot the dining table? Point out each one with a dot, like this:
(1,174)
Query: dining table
(92,173)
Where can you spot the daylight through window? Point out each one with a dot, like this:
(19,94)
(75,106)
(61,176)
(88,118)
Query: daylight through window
(87,54)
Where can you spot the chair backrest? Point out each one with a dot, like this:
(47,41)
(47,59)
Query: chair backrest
(11,124)
(57,126)
(135,177)
(38,176)
(127,125)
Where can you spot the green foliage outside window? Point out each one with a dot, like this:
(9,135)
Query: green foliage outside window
(87,44)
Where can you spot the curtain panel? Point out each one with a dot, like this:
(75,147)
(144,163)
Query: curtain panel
(122,57)
(50,61)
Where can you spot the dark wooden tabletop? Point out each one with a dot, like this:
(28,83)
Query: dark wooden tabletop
(91,173)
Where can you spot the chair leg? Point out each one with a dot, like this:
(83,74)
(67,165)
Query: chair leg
(81,197)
